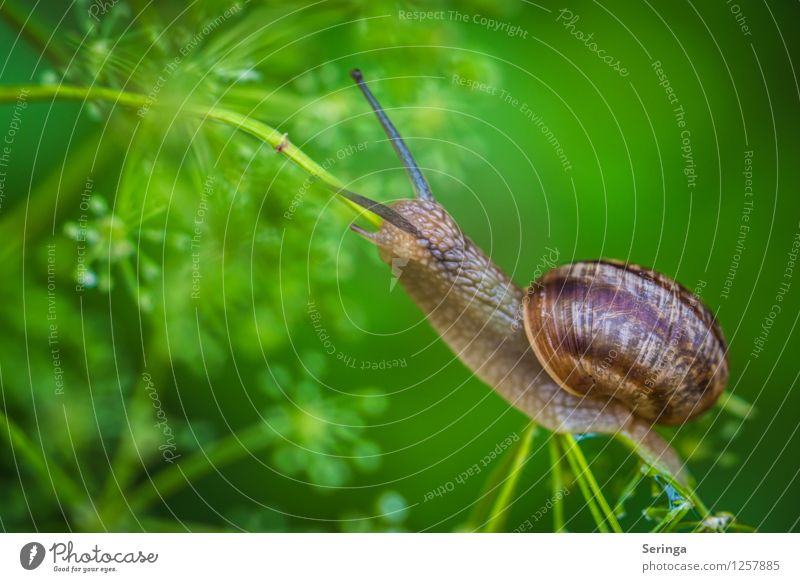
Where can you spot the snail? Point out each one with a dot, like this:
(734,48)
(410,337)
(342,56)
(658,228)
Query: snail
(604,347)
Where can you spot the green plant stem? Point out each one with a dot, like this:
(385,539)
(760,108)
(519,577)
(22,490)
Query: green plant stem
(497,515)
(29,27)
(557,479)
(482,510)
(225,451)
(736,405)
(672,518)
(127,458)
(47,471)
(628,491)
(583,472)
(685,491)
(258,129)
(587,495)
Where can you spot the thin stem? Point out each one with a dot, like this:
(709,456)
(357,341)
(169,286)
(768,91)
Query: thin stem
(223,452)
(672,518)
(497,515)
(48,471)
(736,405)
(258,129)
(574,451)
(558,485)
(127,457)
(628,491)
(587,494)
(32,31)
(684,490)
(482,510)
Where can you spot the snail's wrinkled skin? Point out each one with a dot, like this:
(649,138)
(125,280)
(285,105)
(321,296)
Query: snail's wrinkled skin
(627,332)
(477,310)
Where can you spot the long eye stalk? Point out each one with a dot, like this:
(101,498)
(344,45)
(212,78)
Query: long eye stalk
(421,186)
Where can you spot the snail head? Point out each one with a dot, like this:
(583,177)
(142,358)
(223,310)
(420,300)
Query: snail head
(418,231)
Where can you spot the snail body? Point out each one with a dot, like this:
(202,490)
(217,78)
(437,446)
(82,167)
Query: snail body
(556,367)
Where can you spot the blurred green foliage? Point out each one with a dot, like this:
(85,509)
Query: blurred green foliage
(200,297)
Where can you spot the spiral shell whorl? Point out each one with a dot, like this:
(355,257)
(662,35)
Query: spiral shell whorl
(603,328)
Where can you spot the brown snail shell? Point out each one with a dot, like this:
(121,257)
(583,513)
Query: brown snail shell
(607,329)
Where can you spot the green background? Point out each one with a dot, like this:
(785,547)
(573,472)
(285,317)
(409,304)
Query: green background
(280,434)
